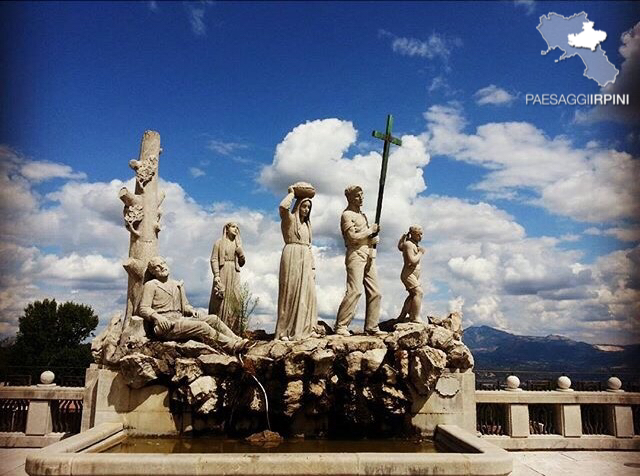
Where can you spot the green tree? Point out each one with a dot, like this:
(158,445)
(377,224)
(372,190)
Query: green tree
(51,335)
(6,346)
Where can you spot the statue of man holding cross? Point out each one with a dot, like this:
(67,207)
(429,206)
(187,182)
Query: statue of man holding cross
(359,237)
(361,240)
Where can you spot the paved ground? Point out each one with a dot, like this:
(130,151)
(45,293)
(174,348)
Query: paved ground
(525,463)
(576,463)
(12,461)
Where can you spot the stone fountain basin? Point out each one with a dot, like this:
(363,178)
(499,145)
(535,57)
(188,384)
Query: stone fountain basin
(81,455)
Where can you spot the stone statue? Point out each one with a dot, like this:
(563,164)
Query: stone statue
(142,215)
(227,257)
(165,308)
(359,238)
(297,307)
(410,275)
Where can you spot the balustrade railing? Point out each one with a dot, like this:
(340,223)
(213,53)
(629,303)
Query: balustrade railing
(488,379)
(542,409)
(536,419)
(36,415)
(13,414)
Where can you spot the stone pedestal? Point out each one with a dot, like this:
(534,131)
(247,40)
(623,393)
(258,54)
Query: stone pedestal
(109,399)
(451,403)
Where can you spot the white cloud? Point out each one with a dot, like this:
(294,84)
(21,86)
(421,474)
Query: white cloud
(625,234)
(520,157)
(39,171)
(628,234)
(225,148)
(439,84)
(528,5)
(196,172)
(488,312)
(196,12)
(153,6)
(456,304)
(606,174)
(593,231)
(435,46)
(570,237)
(619,291)
(492,94)
(450,216)
(473,268)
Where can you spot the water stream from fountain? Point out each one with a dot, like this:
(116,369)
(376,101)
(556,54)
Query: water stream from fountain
(264,392)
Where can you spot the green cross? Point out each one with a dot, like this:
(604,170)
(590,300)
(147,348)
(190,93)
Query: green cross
(388,139)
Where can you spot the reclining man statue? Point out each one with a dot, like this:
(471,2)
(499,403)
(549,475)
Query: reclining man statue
(165,307)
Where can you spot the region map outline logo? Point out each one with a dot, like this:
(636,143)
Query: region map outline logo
(559,32)
(576,36)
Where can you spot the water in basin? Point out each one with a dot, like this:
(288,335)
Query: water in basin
(181,444)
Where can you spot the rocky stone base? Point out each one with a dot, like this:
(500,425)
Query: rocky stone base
(329,386)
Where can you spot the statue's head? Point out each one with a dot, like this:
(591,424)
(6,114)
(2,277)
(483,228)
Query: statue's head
(158,267)
(415,232)
(354,195)
(304,209)
(231,230)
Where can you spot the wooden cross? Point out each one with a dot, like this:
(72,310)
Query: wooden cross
(388,139)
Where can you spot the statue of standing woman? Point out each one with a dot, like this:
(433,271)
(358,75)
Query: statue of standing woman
(297,307)
(410,276)
(227,257)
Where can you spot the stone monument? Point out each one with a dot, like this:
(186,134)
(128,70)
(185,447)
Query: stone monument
(399,382)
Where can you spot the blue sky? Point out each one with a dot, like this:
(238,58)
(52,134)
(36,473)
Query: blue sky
(529,211)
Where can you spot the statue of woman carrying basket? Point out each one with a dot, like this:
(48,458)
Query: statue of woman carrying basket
(297,307)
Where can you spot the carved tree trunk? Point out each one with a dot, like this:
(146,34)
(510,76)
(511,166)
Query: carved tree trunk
(142,216)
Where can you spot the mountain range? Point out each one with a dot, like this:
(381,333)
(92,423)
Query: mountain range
(495,349)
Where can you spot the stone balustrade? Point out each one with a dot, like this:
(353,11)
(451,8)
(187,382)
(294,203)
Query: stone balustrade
(512,418)
(38,415)
(559,419)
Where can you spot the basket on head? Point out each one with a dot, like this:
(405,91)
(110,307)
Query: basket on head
(303,190)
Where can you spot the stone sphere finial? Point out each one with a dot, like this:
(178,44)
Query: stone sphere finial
(614,384)
(563,384)
(513,383)
(47,377)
